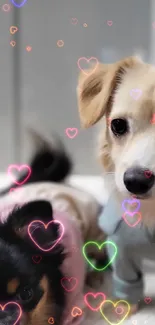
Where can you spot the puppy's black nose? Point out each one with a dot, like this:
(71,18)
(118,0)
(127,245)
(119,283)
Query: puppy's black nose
(138,180)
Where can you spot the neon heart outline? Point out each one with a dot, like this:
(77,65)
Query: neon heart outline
(36,256)
(13,43)
(109,22)
(94,296)
(69,279)
(84,71)
(76,313)
(49,322)
(70,129)
(146,172)
(115,304)
(46,226)
(119,313)
(19,167)
(130,202)
(8,7)
(136,223)
(135,91)
(18,5)
(100,247)
(74,21)
(147,302)
(134,322)
(13,29)
(28,48)
(15,303)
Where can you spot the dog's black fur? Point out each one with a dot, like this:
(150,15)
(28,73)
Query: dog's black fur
(17,250)
(49,164)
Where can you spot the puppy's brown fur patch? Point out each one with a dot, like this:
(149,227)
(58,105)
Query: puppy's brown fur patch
(43,310)
(12,285)
(96,90)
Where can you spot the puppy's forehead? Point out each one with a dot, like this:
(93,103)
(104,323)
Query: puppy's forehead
(13,264)
(135,96)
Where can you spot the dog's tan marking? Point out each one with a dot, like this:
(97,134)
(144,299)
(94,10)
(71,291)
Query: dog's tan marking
(44,309)
(104,149)
(12,285)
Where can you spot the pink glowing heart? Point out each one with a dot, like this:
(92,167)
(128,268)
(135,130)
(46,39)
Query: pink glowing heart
(126,214)
(74,21)
(69,284)
(95,296)
(109,22)
(147,300)
(37,259)
(92,60)
(19,168)
(71,132)
(119,310)
(6,7)
(16,304)
(31,231)
(147,173)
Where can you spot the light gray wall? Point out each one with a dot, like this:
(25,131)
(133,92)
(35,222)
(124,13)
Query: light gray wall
(49,73)
(6,91)
(152,34)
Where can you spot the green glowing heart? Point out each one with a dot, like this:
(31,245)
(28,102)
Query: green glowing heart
(99,246)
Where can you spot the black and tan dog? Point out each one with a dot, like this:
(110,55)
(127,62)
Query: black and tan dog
(31,290)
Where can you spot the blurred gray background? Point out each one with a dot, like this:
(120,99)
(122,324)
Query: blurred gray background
(38,88)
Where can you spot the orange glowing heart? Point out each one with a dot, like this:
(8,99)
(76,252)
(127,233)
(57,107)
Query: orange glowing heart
(51,320)
(76,311)
(28,48)
(12,43)
(13,30)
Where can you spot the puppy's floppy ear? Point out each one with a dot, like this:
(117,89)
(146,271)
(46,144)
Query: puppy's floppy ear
(35,216)
(95,89)
(25,214)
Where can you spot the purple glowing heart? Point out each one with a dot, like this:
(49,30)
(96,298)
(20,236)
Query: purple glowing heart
(131,203)
(18,5)
(135,93)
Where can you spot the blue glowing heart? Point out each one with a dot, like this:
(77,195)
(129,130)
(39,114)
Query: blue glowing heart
(18,5)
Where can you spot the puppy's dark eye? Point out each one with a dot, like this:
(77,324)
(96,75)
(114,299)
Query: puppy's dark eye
(26,294)
(119,126)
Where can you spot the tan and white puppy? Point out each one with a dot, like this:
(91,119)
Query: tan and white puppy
(123,95)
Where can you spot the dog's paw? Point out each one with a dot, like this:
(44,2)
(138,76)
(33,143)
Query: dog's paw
(116,311)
